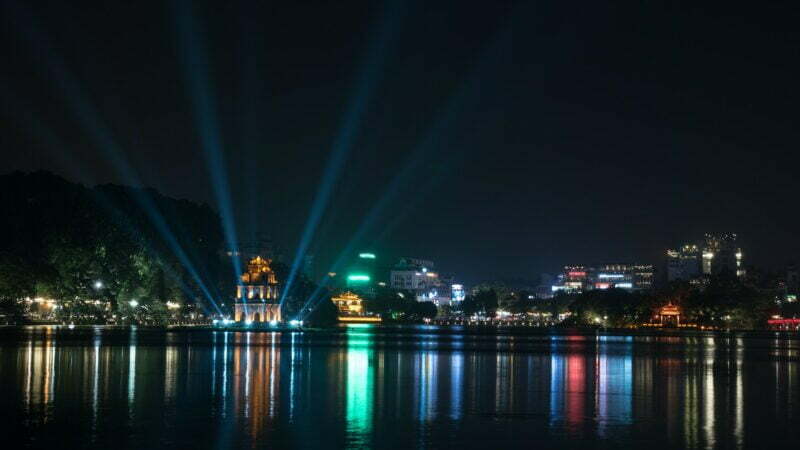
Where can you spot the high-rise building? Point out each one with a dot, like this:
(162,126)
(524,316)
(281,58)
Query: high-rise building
(683,263)
(722,254)
(361,276)
(793,280)
(717,253)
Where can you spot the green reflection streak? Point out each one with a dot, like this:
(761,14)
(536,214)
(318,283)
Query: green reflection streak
(360,381)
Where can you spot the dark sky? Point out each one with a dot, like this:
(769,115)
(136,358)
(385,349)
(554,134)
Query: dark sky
(498,139)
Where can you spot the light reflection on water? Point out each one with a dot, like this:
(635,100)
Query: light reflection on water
(363,389)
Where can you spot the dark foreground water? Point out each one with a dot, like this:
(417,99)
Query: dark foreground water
(122,388)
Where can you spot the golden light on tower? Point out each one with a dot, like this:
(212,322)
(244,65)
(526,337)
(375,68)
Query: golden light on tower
(257,294)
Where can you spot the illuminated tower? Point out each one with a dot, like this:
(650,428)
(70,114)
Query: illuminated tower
(257,294)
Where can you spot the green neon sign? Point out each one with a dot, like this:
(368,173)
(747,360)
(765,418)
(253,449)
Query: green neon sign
(358,277)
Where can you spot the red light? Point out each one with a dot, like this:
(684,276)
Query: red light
(577,274)
(783,321)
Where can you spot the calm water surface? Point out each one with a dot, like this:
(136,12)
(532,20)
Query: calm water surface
(128,388)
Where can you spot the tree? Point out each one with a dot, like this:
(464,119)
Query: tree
(67,237)
(518,303)
(389,303)
(325,314)
(424,310)
(484,302)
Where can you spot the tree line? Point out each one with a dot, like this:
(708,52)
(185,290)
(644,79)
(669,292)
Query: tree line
(131,248)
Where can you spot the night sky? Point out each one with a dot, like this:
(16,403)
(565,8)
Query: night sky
(497,139)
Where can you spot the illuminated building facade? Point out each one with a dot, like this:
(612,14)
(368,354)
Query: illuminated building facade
(349,304)
(633,277)
(417,275)
(574,279)
(718,253)
(421,277)
(457,293)
(257,294)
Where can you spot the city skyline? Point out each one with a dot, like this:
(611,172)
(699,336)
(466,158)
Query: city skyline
(475,136)
(399,224)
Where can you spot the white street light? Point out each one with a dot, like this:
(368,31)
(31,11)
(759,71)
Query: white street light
(98,284)
(133,303)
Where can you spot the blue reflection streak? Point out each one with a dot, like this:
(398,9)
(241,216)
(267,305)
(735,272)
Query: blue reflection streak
(557,370)
(456,380)
(427,379)
(614,384)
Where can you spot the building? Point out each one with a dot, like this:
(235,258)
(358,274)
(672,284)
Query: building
(722,254)
(361,276)
(717,253)
(349,304)
(419,276)
(793,280)
(684,263)
(669,315)
(257,295)
(544,289)
(573,279)
(635,277)
(457,293)
(643,276)
(632,277)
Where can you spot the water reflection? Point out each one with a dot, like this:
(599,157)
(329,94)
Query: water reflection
(613,384)
(360,373)
(456,384)
(286,390)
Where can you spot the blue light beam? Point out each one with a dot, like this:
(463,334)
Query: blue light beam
(200,91)
(365,84)
(457,103)
(83,111)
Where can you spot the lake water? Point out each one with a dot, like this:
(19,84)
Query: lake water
(373,388)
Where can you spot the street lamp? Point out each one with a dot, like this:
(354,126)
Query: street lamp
(133,303)
(98,284)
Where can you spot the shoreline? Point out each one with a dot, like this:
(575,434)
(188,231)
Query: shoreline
(438,330)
